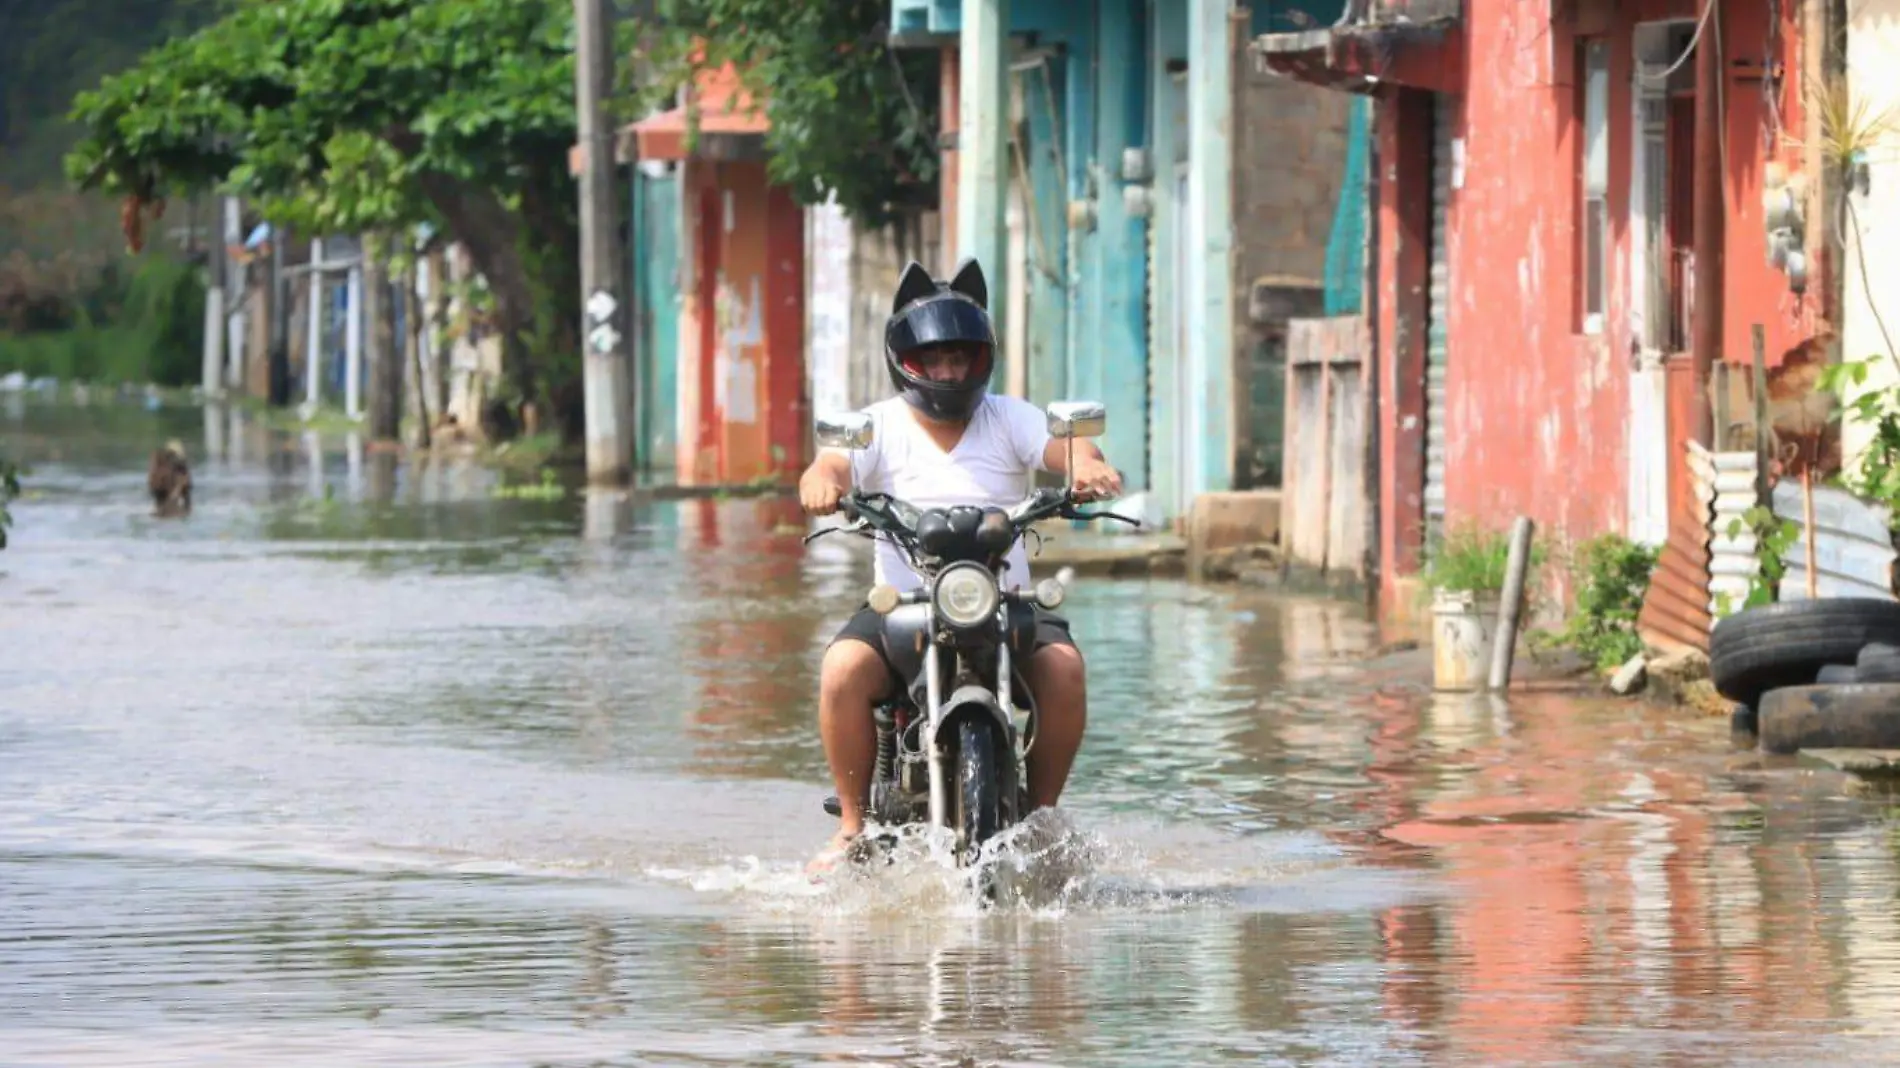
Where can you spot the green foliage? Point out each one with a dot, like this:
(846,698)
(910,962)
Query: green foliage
(1774,536)
(374,116)
(547,489)
(1612,574)
(330,111)
(1876,477)
(143,326)
(50,49)
(10,473)
(851,116)
(1468,559)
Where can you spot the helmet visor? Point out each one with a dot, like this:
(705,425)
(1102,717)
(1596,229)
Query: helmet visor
(944,320)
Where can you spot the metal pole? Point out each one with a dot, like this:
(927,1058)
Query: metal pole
(1511,603)
(313,333)
(604,362)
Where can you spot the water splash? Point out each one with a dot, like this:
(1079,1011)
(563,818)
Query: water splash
(1044,866)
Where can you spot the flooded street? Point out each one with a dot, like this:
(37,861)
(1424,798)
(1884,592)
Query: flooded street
(365,765)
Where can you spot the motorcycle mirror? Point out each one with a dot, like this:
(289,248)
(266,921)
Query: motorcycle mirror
(1077,419)
(845,430)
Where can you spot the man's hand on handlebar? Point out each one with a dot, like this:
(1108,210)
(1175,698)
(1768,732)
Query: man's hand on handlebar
(818,494)
(1095,480)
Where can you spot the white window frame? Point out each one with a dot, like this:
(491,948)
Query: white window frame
(1593,223)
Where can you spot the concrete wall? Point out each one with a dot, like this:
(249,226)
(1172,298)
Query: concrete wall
(1289,158)
(1873,80)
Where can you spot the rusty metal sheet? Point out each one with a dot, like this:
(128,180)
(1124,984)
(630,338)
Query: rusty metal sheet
(1676,607)
(1727,481)
(1853,547)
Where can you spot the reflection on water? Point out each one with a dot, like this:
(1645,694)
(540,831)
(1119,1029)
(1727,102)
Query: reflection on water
(362,764)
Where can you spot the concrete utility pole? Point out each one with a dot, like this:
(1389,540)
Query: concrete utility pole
(313,327)
(211,378)
(983,154)
(604,342)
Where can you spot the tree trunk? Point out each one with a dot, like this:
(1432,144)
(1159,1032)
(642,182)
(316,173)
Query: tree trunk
(384,357)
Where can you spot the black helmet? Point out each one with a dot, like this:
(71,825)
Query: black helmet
(927,312)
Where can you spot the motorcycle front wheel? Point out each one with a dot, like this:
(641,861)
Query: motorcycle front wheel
(979,796)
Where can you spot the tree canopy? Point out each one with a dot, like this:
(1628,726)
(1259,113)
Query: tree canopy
(364,116)
(851,117)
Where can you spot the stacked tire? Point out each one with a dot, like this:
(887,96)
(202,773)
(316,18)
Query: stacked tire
(1817,674)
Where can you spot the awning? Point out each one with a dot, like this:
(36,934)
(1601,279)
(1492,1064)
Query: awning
(731,123)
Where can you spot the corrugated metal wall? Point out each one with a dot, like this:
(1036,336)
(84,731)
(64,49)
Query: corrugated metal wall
(1437,334)
(1726,481)
(1853,551)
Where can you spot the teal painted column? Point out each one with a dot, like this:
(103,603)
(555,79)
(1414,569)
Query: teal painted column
(1210,347)
(1167,402)
(1043,104)
(983,154)
(1113,368)
(1079,153)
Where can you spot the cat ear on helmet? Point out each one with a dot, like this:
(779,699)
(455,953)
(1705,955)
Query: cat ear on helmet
(969,282)
(914,285)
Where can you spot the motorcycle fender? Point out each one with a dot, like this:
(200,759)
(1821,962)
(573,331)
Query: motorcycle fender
(978,701)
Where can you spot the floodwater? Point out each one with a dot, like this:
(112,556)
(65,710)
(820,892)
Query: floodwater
(364,765)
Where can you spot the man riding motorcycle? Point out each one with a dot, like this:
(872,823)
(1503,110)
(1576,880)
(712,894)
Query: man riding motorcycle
(945,440)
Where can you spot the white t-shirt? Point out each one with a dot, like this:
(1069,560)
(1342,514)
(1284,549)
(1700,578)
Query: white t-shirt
(993,465)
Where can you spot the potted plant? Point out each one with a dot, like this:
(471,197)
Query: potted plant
(1465,576)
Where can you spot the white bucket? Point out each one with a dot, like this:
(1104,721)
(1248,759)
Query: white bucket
(1463,625)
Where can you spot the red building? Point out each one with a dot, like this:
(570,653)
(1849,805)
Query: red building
(1568,242)
(741,379)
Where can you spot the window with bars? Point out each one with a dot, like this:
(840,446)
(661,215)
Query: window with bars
(1593,229)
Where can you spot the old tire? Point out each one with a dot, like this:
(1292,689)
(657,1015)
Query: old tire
(979,792)
(1862,716)
(1786,644)
(1879,662)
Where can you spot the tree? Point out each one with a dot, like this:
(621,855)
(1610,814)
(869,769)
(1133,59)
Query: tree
(851,117)
(372,116)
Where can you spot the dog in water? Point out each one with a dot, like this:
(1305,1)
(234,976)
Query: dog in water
(170,481)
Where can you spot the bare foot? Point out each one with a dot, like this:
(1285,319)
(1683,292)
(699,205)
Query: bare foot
(840,848)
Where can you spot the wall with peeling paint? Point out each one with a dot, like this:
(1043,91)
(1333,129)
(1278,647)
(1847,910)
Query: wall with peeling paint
(1537,410)
(742,367)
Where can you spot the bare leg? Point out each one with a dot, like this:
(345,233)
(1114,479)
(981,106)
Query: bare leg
(851,679)
(1057,678)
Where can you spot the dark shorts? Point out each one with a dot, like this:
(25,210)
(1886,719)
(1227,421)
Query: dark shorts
(866,626)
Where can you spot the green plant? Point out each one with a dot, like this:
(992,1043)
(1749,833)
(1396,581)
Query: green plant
(1876,474)
(370,116)
(548,489)
(1774,536)
(851,117)
(1467,559)
(1612,574)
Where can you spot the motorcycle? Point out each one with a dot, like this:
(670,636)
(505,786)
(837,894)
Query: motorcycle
(952,746)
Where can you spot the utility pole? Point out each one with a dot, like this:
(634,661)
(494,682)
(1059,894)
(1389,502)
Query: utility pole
(603,337)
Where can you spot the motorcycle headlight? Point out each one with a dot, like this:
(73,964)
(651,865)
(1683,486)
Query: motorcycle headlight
(966,595)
